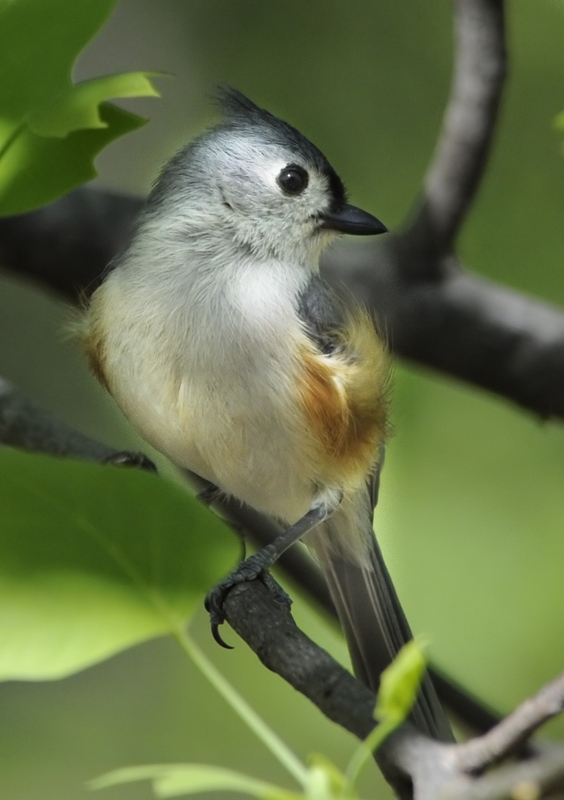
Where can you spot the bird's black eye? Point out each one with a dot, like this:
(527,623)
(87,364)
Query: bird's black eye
(293,179)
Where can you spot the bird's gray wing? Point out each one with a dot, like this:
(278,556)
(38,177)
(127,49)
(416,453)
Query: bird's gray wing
(322,314)
(368,606)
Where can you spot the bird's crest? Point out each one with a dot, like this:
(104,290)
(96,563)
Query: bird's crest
(239,111)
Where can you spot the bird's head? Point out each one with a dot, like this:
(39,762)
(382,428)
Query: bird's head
(257,180)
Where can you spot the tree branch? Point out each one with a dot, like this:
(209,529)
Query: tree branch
(67,245)
(462,325)
(414,765)
(469,122)
(268,628)
(298,566)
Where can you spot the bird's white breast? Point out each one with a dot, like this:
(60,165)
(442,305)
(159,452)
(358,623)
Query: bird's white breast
(203,363)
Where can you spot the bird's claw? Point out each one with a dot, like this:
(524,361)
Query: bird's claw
(256,566)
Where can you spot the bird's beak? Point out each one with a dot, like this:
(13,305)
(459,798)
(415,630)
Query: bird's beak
(353,220)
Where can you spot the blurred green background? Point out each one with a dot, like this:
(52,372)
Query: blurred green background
(471,505)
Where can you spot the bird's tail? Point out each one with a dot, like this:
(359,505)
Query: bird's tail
(368,606)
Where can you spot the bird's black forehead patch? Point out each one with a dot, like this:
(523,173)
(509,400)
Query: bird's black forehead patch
(240,112)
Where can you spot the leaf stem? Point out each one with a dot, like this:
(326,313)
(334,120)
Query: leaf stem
(11,139)
(276,746)
(365,751)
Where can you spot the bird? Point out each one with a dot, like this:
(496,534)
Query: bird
(221,343)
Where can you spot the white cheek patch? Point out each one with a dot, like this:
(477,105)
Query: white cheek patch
(318,195)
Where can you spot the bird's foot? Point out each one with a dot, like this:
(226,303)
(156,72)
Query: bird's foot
(256,566)
(129,459)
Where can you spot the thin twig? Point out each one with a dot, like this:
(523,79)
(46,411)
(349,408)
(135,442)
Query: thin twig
(478,754)
(528,780)
(26,424)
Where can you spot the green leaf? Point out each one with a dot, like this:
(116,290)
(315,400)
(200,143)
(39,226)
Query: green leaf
(51,129)
(332,777)
(173,780)
(77,107)
(94,559)
(37,169)
(400,683)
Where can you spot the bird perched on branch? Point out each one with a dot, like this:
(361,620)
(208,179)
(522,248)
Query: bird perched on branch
(222,345)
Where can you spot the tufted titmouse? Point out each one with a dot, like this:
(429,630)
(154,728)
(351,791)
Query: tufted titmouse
(222,345)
